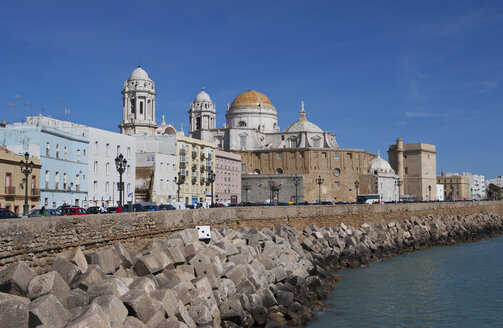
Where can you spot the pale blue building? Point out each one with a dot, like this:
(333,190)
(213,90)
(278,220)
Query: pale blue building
(63,151)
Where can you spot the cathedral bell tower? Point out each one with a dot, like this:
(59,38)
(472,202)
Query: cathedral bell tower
(138,104)
(202,115)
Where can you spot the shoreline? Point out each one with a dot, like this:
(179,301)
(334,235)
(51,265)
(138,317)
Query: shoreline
(240,278)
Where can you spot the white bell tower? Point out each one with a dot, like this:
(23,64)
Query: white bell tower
(202,114)
(138,104)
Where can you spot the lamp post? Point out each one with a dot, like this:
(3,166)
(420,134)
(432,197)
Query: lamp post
(246,187)
(319,180)
(271,184)
(180,180)
(357,184)
(211,179)
(120,165)
(429,193)
(26,169)
(296,181)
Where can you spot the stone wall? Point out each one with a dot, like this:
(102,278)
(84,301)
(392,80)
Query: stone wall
(38,240)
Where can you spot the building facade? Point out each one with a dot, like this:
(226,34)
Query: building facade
(456,187)
(477,186)
(228,177)
(63,151)
(12,186)
(196,159)
(440,192)
(416,167)
(103,177)
(382,180)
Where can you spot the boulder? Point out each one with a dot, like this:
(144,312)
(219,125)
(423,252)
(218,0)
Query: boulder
(94,317)
(232,310)
(15,279)
(132,322)
(141,305)
(168,298)
(49,283)
(76,257)
(110,286)
(77,298)
(67,270)
(13,311)
(113,308)
(201,314)
(48,311)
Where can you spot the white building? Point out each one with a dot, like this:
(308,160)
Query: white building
(103,177)
(156,166)
(497,180)
(381,179)
(477,186)
(440,192)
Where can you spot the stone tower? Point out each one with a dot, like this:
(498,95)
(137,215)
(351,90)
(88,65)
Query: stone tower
(202,115)
(138,104)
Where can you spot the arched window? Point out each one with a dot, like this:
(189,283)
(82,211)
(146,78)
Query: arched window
(293,142)
(242,123)
(133,106)
(141,107)
(198,123)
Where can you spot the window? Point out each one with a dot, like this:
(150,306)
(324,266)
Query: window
(107,187)
(336,172)
(95,186)
(292,142)
(336,155)
(243,167)
(65,152)
(128,152)
(56,181)
(242,124)
(47,149)
(78,155)
(84,152)
(128,170)
(336,184)
(107,149)
(118,150)
(406,170)
(279,155)
(95,166)
(8,182)
(47,179)
(46,201)
(107,168)
(242,141)
(323,155)
(57,151)
(316,142)
(128,189)
(96,147)
(64,181)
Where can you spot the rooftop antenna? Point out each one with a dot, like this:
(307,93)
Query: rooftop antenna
(11,105)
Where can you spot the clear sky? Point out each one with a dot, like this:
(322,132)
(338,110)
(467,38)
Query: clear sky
(368,71)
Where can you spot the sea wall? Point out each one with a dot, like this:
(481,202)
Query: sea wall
(38,240)
(239,278)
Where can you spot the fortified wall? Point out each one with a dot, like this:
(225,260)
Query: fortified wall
(37,240)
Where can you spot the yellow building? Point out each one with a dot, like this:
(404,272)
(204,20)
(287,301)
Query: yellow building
(455,187)
(196,158)
(12,186)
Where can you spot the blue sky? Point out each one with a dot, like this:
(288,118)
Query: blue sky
(368,71)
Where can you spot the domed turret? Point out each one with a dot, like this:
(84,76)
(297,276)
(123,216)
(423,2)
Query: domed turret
(252,109)
(139,74)
(202,113)
(379,165)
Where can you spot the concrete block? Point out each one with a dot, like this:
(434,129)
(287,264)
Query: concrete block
(93,273)
(232,310)
(48,311)
(260,315)
(182,290)
(245,287)
(110,286)
(176,255)
(168,298)
(267,297)
(49,283)
(203,232)
(201,314)
(124,255)
(13,311)
(279,273)
(15,279)
(76,257)
(227,288)
(132,322)
(172,323)
(183,316)
(109,260)
(94,317)
(148,264)
(113,308)
(237,274)
(144,283)
(156,320)
(67,270)
(284,298)
(141,305)
(77,298)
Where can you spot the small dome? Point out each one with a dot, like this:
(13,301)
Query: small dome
(379,165)
(304,126)
(251,99)
(139,74)
(202,96)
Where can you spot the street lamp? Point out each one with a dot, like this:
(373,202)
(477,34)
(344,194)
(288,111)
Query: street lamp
(180,180)
(319,181)
(211,179)
(246,187)
(120,165)
(296,181)
(357,184)
(275,188)
(26,169)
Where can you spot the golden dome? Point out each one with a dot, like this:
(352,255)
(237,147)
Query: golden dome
(251,99)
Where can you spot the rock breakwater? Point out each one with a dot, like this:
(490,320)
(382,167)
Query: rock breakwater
(239,278)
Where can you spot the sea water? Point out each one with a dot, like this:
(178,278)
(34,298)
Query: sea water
(448,286)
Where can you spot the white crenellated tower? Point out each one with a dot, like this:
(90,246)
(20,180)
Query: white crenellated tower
(138,104)
(202,116)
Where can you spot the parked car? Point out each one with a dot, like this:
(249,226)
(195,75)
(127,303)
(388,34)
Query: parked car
(151,208)
(112,209)
(136,207)
(93,210)
(74,210)
(49,211)
(6,214)
(166,207)
(64,206)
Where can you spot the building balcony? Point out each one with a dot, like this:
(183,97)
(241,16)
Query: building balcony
(194,153)
(56,185)
(182,151)
(202,168)
(208,156)
(35,192)
(194,166)
(208,168)
(10,190)
(194,179)
(182,164)
(203,155)
(203,180)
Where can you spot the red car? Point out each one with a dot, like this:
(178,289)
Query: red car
(74,211)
